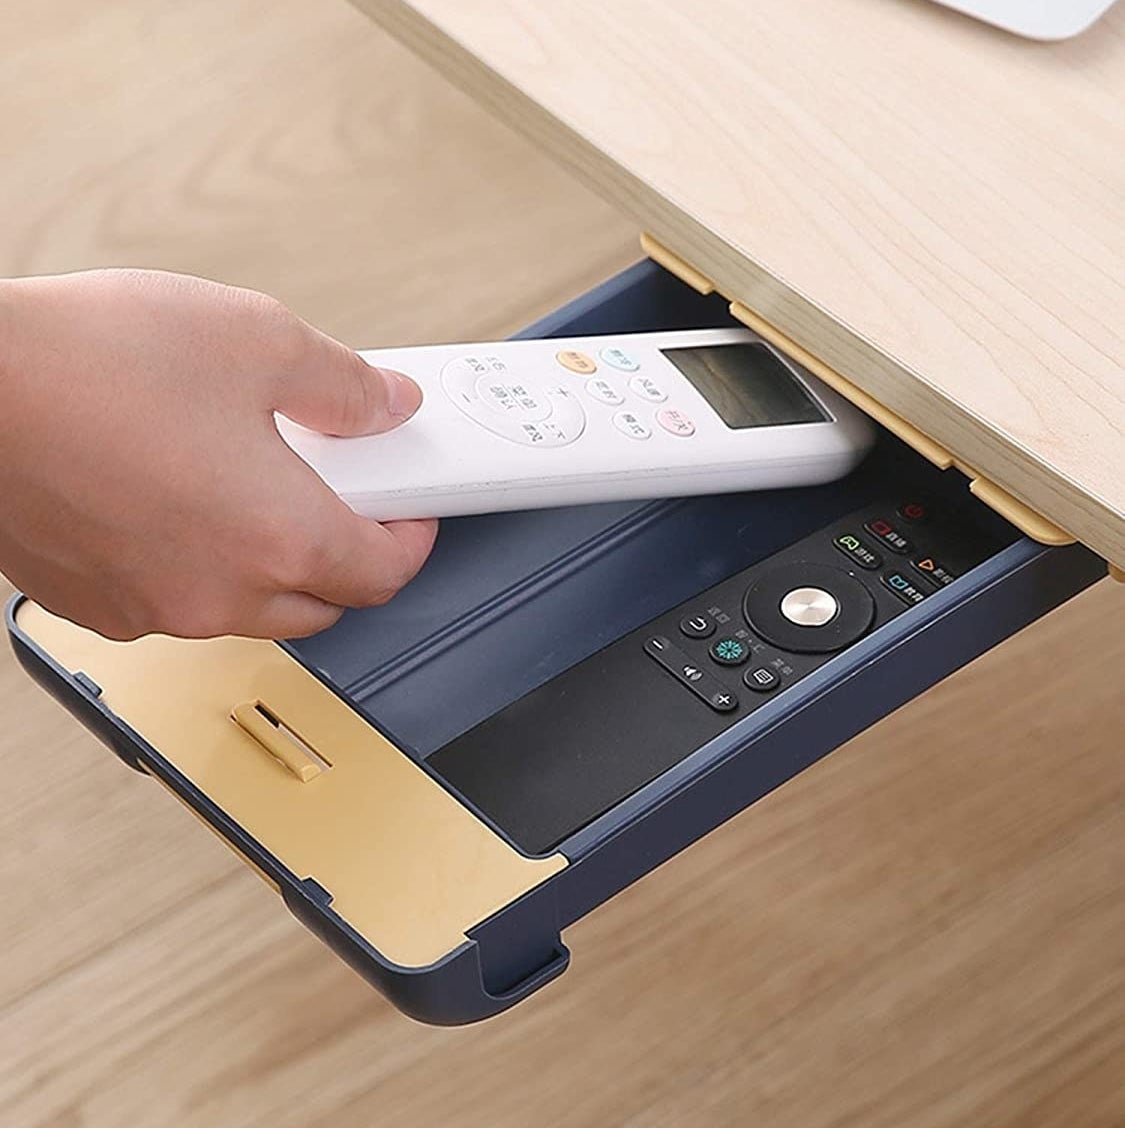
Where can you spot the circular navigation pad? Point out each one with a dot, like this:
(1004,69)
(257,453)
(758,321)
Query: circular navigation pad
(808,608)
(524,409)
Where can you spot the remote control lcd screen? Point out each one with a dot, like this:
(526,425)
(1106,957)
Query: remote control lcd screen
(749,385)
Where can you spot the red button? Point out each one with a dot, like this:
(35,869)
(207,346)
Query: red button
(675,422)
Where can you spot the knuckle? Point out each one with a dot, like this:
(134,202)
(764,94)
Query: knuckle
(411,557)
(280,559)
(382,594)
(180,605)
(280,330)
(263,306)
(361,398)
(393,577)
(297,563)
(287,335)
(310,624)
(402,574)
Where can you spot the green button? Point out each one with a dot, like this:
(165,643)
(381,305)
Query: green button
(730,652)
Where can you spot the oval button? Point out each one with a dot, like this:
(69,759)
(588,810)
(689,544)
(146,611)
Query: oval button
(647,388)
(629,424)
(604,392)
(576,361)
(675,422)
(619,359)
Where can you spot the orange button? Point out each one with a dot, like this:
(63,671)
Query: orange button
(576,361)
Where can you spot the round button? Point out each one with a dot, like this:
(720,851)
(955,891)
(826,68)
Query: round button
(490,395)
(647,388)
(697,626)
(913,511)
(675,422)
(809,607)
(761,679)
(604,392)
(729,652)
(576,361)
(630,424)
(619,359)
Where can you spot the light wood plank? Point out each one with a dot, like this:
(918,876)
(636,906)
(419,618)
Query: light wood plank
(932,207)
(289,150)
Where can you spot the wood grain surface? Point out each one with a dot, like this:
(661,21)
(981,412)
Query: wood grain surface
(925,929)
(933,207)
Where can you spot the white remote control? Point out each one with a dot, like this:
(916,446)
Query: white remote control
(536,423)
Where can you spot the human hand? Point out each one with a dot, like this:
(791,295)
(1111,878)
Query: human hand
(143,484)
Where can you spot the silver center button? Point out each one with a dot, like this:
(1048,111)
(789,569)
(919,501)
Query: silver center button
(809,607)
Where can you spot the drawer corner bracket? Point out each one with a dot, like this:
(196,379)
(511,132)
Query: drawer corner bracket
(1026,519)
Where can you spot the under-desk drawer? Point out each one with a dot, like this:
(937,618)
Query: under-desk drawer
(562,700)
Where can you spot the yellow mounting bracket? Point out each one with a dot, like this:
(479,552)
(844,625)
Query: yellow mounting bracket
(1022,516)
(408,865)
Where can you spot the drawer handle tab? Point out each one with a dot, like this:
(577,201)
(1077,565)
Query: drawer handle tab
(283,743)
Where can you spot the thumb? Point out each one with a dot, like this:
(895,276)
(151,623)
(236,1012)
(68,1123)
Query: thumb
(329,388)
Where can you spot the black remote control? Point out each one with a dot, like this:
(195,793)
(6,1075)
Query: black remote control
(561,755)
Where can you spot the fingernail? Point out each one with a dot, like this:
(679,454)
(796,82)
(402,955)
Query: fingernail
(404,397)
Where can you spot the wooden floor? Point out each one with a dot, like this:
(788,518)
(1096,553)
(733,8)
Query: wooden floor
(927,929)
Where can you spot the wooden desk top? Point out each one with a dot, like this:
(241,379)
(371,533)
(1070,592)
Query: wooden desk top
(933,207)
